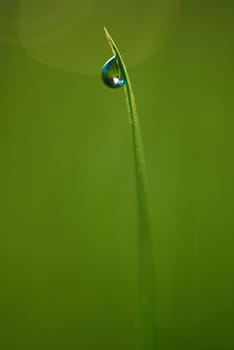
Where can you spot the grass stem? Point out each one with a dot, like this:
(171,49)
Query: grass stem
(146,269)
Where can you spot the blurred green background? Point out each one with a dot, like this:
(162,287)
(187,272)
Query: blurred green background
(68,252)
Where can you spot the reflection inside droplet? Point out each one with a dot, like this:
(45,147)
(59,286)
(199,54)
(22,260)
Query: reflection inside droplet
(111,73)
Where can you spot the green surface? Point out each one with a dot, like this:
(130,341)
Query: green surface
(68,219)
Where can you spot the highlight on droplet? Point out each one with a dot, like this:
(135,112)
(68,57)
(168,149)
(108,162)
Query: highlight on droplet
(111,74)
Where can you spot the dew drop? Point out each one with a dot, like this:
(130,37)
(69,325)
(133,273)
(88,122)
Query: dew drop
(111,74)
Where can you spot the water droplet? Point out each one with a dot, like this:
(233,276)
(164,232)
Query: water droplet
(111,73)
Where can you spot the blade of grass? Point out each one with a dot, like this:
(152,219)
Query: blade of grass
(146,270)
